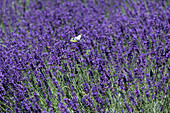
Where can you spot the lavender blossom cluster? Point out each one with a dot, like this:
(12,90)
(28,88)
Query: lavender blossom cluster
(120,64)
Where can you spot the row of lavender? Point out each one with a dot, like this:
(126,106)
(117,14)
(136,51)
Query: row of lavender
(119,65)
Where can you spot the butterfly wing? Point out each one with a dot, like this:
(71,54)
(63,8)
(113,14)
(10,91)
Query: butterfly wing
(78,37)
(73,39)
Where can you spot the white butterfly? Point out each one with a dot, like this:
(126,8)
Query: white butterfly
(74,39)
(78,37)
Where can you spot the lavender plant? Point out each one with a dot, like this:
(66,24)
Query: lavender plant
(121,63)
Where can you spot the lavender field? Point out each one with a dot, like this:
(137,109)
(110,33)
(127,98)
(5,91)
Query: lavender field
(84,56)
